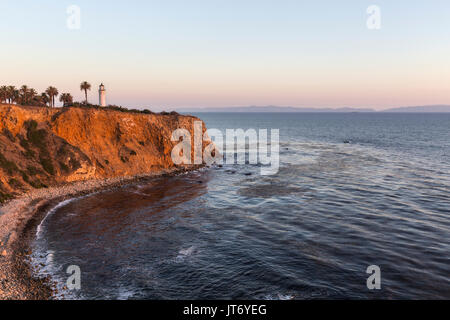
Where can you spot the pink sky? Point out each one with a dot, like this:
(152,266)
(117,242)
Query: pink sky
(287,53)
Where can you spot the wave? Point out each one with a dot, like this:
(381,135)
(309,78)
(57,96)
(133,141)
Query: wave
(185,253)
(39,229)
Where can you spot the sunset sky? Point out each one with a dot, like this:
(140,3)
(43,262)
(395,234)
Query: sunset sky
(211,53)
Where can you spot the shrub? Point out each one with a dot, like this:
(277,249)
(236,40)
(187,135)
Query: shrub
(37,184)
(31,124)
(64,151)
(47,165)
(110,107)
(63,167)
(9,135)
(14,183)
(29,154)
(74,164)
(32,171)
(9,166)
(5,197)
(25,177)
(36,137)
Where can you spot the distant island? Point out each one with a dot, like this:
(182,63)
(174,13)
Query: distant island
(416,109)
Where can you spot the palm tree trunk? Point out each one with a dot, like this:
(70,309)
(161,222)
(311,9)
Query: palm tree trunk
(85,94)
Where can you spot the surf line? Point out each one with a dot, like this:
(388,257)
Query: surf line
(49,213)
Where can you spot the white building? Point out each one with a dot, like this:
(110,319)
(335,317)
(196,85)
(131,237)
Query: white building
(102,95)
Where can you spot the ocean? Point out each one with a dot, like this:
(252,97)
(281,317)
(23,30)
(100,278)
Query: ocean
(353,190)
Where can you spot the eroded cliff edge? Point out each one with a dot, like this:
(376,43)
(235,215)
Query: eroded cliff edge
(42,147)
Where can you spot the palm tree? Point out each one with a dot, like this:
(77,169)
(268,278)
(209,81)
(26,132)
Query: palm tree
(66,99)
(3,94)
(31,94)
(37,101)
(45,98)
(85,86)
(52,93)
(23,91)
(13,94)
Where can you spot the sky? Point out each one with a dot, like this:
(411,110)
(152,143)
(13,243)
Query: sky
(171,54)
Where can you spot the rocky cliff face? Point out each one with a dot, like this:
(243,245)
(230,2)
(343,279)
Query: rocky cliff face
(42,147)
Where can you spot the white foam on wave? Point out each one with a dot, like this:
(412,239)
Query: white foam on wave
(184,253)
(125,293)
(140,193)
(43,259)
(45,266)
(52,211)
(50,257)
(187,252)
(282,297)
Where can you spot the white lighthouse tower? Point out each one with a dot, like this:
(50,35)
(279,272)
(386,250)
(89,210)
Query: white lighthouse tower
(102,96)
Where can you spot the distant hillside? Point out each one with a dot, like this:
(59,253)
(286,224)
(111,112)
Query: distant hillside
(273,109)
(418,109)
(421,109)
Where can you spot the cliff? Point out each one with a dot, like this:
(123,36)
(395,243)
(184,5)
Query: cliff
(41,147)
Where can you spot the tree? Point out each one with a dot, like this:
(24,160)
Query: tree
(3,94)
(37,101)
(45,99)
(52,93)
(85,86)
(24,92)
(66,99)
(13,94)
(31,94)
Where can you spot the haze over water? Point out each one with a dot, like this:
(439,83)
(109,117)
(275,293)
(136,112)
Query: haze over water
(308,232)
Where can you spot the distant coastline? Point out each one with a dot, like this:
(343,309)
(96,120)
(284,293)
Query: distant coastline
(275,109)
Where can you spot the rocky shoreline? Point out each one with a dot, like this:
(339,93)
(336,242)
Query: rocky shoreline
(19,219)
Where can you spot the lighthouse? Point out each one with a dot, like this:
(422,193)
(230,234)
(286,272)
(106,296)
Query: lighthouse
(102,95)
